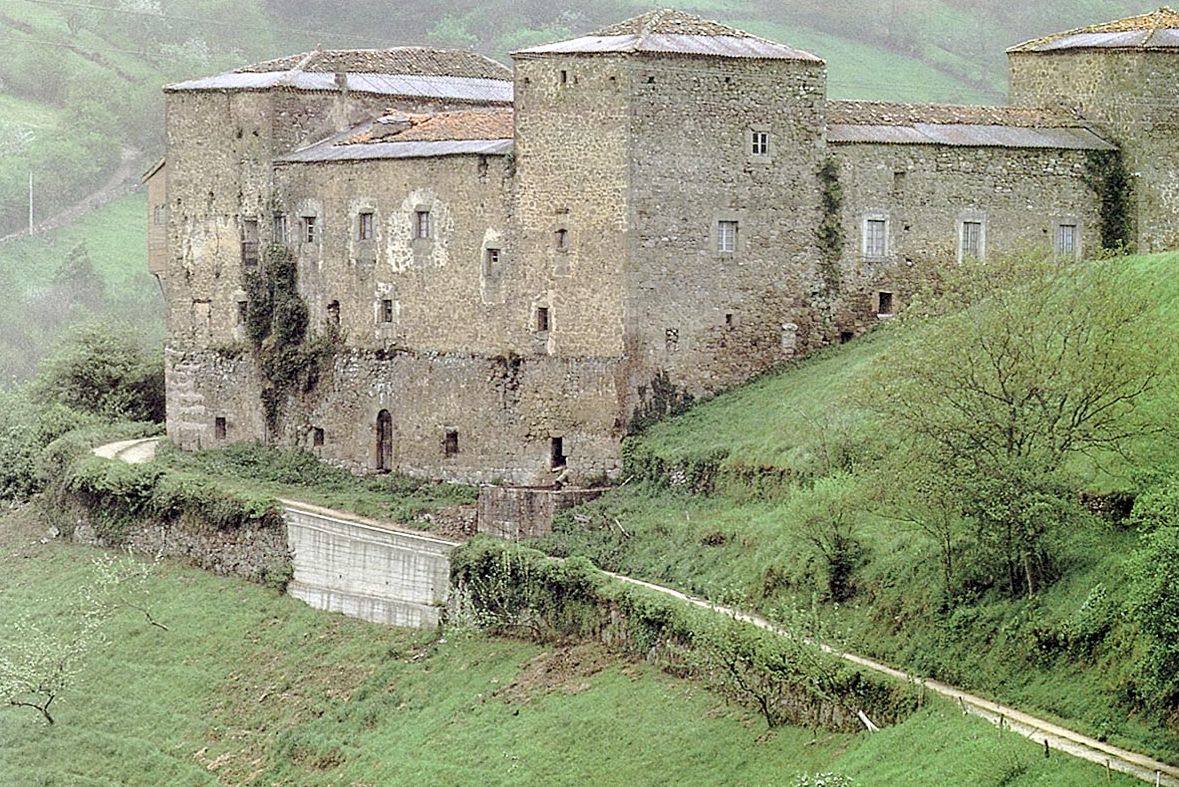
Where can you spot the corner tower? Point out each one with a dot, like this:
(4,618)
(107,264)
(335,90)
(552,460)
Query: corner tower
(1122,76)
(693,150)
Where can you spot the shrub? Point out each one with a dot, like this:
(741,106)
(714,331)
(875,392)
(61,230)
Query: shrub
(25,431)
(1154,605)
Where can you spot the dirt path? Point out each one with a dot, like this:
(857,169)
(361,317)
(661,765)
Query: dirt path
(1059,739)
(122,181)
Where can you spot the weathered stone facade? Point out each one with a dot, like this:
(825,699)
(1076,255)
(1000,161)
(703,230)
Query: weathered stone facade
(520,264)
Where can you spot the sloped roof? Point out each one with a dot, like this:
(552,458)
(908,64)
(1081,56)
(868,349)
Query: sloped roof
(403,60)
(889,123)
(1155,30)
(404,135)
(674,33)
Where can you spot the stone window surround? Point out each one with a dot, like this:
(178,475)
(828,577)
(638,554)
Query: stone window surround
(750,136)
(1066,221)
(879,298)
(541,322)
(876,215)
(976,217)
(415,212)
(310,210)
(742,232)
(360,208)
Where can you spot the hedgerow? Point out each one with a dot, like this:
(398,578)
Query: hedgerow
(507,588)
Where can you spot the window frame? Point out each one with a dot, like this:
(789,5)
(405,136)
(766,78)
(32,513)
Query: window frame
(387,312)
(871,219)
(1075,227)
(365,225)
(423,228)
(542,319)
(963,233)
(309,234)
(722,235)
(759,144)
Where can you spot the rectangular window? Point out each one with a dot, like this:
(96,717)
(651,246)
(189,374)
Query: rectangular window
(761,143)
(972,240)
(564,77)
(280,228)
(317,437)
(450,444)
(249,242)
(726,237)
(1066,240)
(562,240)
(875,237)
(243,309)
(884,303)
(557,459)
(219,427)
(542,319)
(333,313)
(386,310)
(365,227)
(309,229)
(671,339)
(422,224)
(492,257)
(161,215)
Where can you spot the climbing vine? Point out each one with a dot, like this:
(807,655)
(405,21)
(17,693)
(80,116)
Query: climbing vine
(276,324)
(830,224)
(1106,174)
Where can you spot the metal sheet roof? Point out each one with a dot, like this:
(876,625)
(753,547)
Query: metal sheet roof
(1129,39)
(328,151)
(453,88)
(968,135)
(1154,30)
(668,43)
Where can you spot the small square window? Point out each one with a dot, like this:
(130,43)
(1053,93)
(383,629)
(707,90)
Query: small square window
(450,443)
(884,306)
(309,229)
(317,437)
(387,310)
(562,239)
(365,227)
(557,458)
(760,143)
(542,319)
(219,429)
(875,237)
(491,256)
(422,224)
(726,237)
(1065,243)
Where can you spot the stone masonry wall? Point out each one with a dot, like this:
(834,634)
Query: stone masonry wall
(706,318)
(924,192)
(1133,98)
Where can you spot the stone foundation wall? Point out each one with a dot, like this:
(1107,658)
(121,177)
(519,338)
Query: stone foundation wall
(518,513)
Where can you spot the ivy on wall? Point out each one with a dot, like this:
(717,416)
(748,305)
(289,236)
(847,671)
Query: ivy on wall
(830,230)
(276,323)
(1106,174)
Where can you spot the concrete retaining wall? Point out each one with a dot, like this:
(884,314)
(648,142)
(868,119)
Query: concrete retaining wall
(366,569)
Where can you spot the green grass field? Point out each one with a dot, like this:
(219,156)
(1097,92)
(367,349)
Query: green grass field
(248,686)
(743,541)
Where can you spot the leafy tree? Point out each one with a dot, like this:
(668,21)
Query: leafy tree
(100,369)
(1014,368)
(1154,605)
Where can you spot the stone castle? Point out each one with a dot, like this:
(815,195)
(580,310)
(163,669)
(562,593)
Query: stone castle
(520,264)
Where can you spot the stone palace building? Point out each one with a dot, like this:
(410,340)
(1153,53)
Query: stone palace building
(517,265)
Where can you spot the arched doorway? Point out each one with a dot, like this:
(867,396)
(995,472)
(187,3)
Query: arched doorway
(384,442)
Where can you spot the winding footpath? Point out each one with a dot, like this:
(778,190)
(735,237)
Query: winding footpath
(1041,731)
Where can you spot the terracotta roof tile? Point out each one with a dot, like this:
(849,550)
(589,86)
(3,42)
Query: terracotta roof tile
(884,113)
(441,127)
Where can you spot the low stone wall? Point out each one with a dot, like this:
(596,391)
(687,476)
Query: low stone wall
(367,570)
(518,513)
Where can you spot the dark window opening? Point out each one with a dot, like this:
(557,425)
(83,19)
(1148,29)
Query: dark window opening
(384,441)
(365,228)
(243,309)
(219,427)
(884,303)
(450,444)
(492,258)
(557,459)
(650,80)
(564,78)
(333,313)
(250,242)
(671,337)
(846,336)
(542,319)
(729,320)
(317,437)
(562,240)
(386,310)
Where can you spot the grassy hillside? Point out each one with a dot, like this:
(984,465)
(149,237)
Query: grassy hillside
(250,687)
(792,451)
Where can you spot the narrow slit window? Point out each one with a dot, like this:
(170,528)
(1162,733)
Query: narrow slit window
(726,237)
(562,239)
(557,458)
(972,240)
(219,429)
(563,78)
(542,319)
(250,242)
(1066,240)
(450,443)
(365,227)
(243,311)
(875,238)
(422,224)
(387,310)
